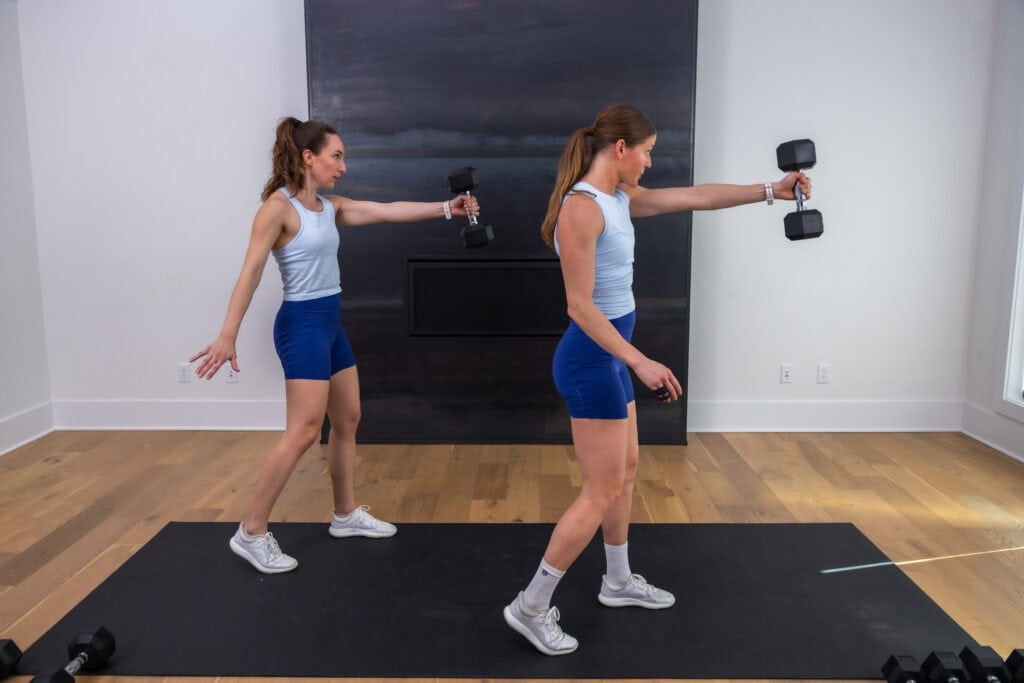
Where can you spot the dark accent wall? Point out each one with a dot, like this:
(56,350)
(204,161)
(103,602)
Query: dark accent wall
(455,345)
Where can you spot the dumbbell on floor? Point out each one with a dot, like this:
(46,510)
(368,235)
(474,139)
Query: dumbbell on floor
(984,665)
(462,181)
(976,664)
(88,651)
(902,669)
(10,655)
(1015,666)
(943,667)
(798,155)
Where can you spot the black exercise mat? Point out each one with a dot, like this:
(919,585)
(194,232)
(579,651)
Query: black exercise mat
(751,603)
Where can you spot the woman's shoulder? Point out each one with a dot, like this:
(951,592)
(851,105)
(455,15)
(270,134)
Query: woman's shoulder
(336,201)
(581,212)
(276,208)
(584,188)
(278,201)
(580,201)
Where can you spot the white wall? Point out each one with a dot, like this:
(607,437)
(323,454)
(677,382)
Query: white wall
(986,416)
(153,124)
(25,411)
(894,95)
(154,136)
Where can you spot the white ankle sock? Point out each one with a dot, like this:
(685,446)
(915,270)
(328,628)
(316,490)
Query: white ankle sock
(537,595)
(617,557)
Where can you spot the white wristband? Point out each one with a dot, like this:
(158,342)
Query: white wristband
(447,210)
(769,196)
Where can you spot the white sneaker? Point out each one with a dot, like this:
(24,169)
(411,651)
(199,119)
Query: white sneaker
(636,593)
(360,522)
(262,552)
(540,628)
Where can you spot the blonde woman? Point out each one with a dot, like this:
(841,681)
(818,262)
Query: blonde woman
(588,223)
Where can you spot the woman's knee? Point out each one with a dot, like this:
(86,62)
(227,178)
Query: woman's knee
(346,420)
(604,492)
(302,436)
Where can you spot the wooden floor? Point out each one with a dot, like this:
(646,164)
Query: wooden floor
(75,505)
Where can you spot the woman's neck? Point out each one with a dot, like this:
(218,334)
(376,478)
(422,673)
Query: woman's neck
(602,176)
(307,196)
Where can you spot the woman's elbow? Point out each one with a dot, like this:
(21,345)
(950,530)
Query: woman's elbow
(576,310)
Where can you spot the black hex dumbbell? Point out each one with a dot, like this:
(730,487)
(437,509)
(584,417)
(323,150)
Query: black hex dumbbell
(798,155)
(943,667)
(10,655)
(462,181)
(902,669)
(984,665)
(88,652)
(1015,666)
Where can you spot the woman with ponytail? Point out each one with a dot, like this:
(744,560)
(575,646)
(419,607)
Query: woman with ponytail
(299,227)
(588,223)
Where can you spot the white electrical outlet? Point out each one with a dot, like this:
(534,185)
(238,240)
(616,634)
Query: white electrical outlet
(230,376)
(824,373)
(184,372)
(786,373)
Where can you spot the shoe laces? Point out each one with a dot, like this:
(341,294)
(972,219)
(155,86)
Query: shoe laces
(273,549)
(361,515)
(549,621)
(639,583)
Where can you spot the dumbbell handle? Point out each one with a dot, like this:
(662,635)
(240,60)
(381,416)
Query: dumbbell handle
(76,664)
(800,199)
(471,217)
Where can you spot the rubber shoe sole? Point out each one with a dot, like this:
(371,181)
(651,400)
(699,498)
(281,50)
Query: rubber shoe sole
(348,533)
(630,602)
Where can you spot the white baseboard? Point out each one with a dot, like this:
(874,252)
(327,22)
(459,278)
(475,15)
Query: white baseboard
(993,429)
(143,414)
(824,416)
(28,425)
(704,416)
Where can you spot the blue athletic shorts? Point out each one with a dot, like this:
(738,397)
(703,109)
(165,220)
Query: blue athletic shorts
(309,339)
(593,382)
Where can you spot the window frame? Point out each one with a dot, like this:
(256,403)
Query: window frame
(1010,402)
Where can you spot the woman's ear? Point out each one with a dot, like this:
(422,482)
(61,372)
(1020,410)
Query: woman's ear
(620,148)
(307,157)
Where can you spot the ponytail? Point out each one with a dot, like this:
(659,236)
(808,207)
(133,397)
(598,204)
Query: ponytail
(571,167)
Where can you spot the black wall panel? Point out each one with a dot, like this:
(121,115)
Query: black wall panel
(455,345)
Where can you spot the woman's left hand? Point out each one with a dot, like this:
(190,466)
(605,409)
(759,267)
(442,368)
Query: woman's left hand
(464,205)
(785,188)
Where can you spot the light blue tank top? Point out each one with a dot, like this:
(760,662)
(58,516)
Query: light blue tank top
(613,267)
(309,263)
